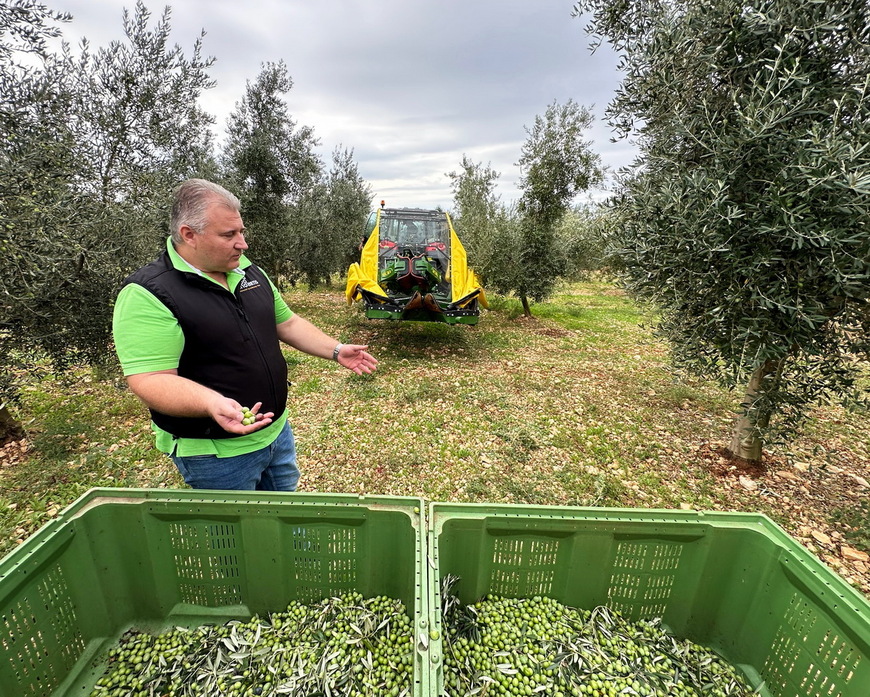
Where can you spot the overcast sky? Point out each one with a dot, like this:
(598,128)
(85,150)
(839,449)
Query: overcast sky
(409,85)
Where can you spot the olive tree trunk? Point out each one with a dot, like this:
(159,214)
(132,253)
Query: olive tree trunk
(10,427)
(746,443)
(527,308)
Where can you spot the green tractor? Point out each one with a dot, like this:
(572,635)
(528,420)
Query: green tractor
(413,267)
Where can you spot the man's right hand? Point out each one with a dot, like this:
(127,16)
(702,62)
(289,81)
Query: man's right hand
(229,414)
(167,392)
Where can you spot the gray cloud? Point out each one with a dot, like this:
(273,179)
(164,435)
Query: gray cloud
(409,85)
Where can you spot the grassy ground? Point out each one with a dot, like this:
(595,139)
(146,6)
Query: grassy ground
(576,406)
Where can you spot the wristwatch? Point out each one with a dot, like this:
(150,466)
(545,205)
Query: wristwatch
(336,351)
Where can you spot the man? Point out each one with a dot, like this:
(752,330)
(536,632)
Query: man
(198,334)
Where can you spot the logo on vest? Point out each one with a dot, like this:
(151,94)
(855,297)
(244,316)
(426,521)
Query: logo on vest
(248,285)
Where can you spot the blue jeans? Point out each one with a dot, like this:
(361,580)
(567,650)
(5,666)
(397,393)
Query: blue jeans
(272,468)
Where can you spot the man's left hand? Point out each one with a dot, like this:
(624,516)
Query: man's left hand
(356,358)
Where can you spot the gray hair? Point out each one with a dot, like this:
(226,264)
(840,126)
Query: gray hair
(190,203)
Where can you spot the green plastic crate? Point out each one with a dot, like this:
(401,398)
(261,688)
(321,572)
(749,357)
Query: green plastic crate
(734,582)
(154,559)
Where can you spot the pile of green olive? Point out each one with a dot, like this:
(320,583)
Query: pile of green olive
(343,646)
(348,646)
(537,646)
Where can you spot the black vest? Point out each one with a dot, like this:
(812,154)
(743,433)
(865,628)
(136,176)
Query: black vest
(230,341)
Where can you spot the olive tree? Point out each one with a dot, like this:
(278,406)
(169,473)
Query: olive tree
(477,209)
(270,163)
(90,146)
(556,165)
(580,233)
(349,203)
(308,246)
(139,129)
(329,221)
(745,216)
(35,165)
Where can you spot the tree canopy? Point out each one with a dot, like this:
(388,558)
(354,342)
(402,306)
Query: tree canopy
(328,221)
(36,222)
(745,216)
(476,209)
(270,163)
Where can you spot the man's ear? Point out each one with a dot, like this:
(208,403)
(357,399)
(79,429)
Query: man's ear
(188,234)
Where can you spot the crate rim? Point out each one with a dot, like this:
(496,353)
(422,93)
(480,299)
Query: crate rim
(137,496)
(440,511)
